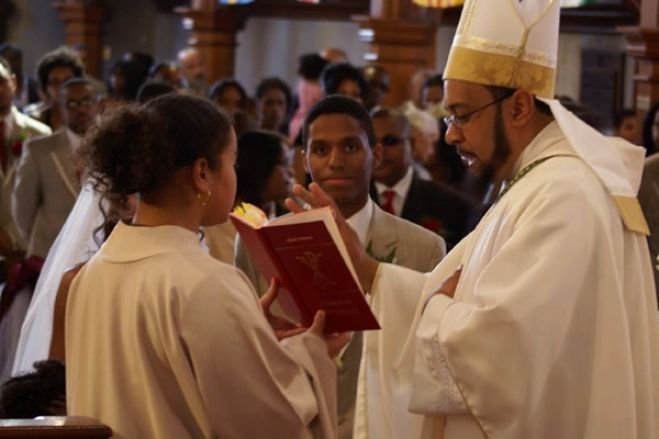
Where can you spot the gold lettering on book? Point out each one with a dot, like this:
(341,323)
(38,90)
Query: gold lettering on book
(294,239)
(311,260)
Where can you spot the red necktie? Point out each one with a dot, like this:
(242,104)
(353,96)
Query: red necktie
(3,146)
(387,199)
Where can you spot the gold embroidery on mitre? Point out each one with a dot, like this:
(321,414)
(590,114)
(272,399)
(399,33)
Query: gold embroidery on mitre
(501,48)
(492,69)
(632,214)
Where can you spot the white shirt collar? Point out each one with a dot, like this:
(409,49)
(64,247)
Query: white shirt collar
(361,221)
(74,139)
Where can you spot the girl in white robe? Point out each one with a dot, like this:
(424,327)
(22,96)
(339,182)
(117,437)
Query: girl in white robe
(161,339)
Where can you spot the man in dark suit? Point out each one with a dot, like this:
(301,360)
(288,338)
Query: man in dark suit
(401,192)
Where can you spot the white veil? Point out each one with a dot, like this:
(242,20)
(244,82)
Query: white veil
(74,244)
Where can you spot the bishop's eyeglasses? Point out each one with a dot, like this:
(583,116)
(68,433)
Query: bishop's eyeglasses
(462,119)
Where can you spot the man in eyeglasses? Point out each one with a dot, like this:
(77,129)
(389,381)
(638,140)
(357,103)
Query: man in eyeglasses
(401,192)
(542,322)
(48,177)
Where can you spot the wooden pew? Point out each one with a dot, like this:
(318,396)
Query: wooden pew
(61,427)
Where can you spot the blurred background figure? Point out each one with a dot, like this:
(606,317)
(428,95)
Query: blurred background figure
(424,133)
(193,71)
(378,85)
(415,100)
(651,130)
(580,110)
(53,69)
(432,95)
(344,79)
(15,129)
(626,126)
(26,87)
(166,72)
(151,90)
(308,91)
(334,55)
(100,87)
(273,102)
(445,165)
(229,94)
(126,78)
(264,178)
(263,170)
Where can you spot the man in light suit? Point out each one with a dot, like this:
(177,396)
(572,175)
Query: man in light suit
(15,129)
(48,177)
(340,152)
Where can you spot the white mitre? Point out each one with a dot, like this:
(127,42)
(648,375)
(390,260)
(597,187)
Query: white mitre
(514,44)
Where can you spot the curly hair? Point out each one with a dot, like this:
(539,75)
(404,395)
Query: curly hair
(36,393)
(137,149)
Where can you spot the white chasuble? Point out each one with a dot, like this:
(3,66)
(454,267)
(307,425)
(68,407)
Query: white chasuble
(553,330)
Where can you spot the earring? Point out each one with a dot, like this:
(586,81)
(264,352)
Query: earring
(204,197)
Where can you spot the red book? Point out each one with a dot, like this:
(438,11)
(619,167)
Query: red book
(306,253)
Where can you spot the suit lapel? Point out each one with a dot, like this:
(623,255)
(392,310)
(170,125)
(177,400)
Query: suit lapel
(17,131)
(63,159)
(412,202)
(380,236)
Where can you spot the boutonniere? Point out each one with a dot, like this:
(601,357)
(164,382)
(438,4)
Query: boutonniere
(16,143)
(434,225)
(388,258)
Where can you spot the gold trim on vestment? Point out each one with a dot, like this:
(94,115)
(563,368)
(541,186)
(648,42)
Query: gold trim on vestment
(498,47)
(632,214)
(500,70)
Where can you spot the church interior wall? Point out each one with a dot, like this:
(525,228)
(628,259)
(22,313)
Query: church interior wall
(266,46)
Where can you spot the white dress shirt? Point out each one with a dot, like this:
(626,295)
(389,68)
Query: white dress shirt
(401,189)
(361,221)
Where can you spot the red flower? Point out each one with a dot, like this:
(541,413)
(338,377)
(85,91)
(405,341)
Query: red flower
(16,147)
(431,224)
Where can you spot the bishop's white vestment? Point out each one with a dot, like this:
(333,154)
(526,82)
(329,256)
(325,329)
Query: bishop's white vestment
(552,332)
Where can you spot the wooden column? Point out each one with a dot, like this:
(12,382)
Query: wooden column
(83,25)
(643,46)
(401,39)
(213,30)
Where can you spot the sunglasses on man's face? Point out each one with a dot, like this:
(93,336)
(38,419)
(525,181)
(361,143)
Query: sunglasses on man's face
(391,140)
